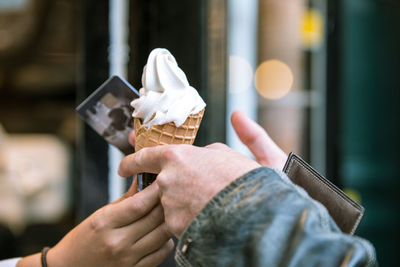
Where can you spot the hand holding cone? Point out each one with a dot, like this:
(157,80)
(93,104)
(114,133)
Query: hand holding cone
(165,134)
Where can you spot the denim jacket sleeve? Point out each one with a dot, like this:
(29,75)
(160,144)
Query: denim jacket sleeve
(262,219)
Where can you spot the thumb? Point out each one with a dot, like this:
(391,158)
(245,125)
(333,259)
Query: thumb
(257,140)
(133,189)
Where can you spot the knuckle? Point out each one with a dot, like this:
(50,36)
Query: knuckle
(217,145)
(162,179)
(171,153)
(257,138)
(113,246)
(97,223)
(122,167)
(138,207)
(157,215)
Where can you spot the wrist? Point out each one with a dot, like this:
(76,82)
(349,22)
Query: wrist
(30,261)
(54,258)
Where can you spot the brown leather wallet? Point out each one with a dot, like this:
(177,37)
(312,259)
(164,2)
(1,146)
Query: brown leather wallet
(345,211)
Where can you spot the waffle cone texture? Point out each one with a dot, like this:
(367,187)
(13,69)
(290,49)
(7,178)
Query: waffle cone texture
(168,133)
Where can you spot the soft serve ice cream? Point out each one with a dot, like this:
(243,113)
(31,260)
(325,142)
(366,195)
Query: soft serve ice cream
(166,95)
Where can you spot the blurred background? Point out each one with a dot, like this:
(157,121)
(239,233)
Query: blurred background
(321,76)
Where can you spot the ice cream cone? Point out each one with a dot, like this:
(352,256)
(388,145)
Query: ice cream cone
(167,133)
(167,93)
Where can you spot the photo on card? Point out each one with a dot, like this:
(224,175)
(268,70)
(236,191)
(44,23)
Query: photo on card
(108,111)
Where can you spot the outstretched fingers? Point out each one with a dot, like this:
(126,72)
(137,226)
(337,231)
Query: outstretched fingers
(157,257)
(132,208)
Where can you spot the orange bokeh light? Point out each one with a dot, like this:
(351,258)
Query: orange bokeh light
(273,79)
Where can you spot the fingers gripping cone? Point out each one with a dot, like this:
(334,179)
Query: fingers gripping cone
(166,134)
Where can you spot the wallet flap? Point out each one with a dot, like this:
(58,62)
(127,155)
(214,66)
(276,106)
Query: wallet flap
(345,211)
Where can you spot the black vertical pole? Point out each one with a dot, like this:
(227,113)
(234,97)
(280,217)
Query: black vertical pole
(93,158)
(333,93)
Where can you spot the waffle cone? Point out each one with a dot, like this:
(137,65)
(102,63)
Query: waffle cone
(168,133)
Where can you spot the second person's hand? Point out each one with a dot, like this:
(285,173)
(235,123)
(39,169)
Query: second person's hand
(128,232)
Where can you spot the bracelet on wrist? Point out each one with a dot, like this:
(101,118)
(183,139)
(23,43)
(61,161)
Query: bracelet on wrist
(43,256)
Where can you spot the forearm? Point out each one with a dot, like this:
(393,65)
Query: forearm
(30,261)
(262,219)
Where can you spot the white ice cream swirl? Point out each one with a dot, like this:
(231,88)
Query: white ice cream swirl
(166,95)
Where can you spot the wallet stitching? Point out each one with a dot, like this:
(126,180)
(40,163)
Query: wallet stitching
(357,222)
(334,190)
